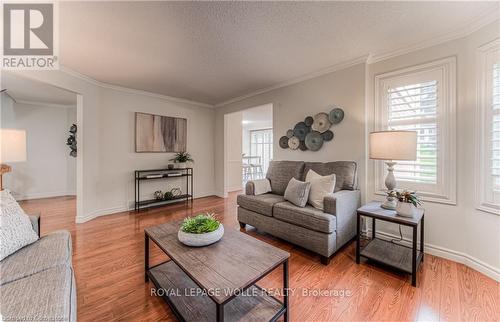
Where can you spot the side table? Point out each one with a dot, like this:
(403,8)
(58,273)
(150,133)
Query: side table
(398,256)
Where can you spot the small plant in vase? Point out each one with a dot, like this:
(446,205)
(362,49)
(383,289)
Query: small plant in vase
(408,201)
(201,230)
(181,159)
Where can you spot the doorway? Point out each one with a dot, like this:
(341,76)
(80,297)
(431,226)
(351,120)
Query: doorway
(248,145)
(48,117)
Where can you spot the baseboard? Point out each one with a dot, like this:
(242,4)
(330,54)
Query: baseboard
(113,210)
(450,254)
(41,195)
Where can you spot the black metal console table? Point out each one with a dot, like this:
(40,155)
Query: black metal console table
(142,175)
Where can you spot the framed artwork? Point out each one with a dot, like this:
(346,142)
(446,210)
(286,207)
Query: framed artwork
(157,133)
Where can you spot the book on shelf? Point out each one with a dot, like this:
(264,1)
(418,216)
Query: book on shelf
(175,174)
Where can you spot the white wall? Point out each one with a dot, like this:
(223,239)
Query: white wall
(233,143)
(291,104)
(106,141)
(459,232)
(49,170)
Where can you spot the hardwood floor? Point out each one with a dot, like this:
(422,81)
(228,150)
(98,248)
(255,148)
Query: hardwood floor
(108,261)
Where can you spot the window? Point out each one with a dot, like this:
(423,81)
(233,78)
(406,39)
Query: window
(261,145)
(488,127)
(421,99)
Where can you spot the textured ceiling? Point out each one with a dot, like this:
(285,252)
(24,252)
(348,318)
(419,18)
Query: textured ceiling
(214,51)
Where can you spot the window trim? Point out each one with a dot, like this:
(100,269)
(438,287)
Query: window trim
(482,107)
(447,124)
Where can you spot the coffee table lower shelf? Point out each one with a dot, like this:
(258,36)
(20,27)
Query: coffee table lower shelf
(184,297)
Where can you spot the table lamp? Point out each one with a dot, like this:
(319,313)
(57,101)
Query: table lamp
(390,146)
(12,149)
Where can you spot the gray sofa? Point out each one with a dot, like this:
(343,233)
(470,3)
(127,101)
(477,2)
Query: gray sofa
(323,232)
(37,282)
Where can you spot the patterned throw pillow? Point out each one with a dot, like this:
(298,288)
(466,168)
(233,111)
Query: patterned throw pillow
(15,226)
(297,192)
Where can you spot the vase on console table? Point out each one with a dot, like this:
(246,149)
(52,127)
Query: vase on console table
(181,165)
(406,209)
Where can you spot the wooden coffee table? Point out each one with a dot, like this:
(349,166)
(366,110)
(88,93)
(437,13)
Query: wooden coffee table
(216,282)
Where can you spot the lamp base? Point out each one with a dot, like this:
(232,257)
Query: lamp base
(3,169)
(390,203)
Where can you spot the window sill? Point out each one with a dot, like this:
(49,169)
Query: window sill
(484,207)
(428,197)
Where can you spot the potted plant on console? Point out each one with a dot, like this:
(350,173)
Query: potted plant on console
(201,230)
(408,201)
(181,159)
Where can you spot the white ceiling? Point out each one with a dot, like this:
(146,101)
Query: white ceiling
(214,51)
(24,89)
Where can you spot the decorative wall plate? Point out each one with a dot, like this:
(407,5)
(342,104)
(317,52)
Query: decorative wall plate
(336,115)
(283,142)
(314,140)
(300,130)
(309,121)
(327,135)
(302,146)
(321,122)
(293,143)
(289,133)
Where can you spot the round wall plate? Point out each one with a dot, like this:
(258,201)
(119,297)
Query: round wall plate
(309,121)
(302,146)
(300,130)
(314,141)
(336,115)
(327,136)
(321,122)
(289,133)
(283,142)
(293,143)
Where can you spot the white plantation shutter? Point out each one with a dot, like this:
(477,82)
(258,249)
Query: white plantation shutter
(422,99)
(261,144)
(414,107)
(495,136)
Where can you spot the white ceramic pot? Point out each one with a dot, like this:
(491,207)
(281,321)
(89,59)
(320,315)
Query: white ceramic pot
(405,209)
(198,240)
(181,165)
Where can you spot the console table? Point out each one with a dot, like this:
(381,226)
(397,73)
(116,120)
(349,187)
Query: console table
(162,174)
(395,255)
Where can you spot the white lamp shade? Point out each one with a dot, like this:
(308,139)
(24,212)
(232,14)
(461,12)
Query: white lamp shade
(393,145)
(13,145)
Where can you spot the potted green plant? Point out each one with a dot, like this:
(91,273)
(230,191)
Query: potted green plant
(181,159)
(408,201)
(201,230)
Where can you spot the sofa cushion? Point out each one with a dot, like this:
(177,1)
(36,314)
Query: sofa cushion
(49,251)
(44,296)
(307,217)
(279,174)
(346,173)
(262,204)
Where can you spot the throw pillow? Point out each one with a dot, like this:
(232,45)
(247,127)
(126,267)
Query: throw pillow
(15,226)
(261,186)
(297,192)
(320,187)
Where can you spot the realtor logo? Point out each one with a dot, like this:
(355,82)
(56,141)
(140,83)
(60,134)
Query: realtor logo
(29,32)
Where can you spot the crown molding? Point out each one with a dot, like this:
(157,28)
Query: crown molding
(325,71)
(46,104)
(483,20)
(93,81)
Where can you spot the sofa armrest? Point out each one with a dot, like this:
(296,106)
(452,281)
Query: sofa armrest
(344,205)
(35,223)
(258,186)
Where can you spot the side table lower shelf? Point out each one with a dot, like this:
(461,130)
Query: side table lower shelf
(189,304)
(390,254)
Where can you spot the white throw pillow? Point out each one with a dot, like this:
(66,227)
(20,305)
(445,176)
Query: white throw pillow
(16,230)
(320,187)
